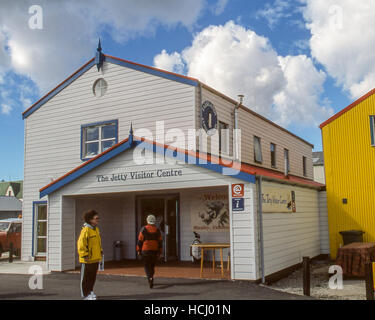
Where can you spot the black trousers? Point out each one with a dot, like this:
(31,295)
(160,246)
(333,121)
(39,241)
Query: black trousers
(88,277)
(149,260)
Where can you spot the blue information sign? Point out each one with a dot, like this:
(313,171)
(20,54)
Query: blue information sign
(238,204)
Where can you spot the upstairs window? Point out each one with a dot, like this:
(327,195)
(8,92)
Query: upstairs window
(372,130)
(286,162)
(223,138)
(273,155)
(97,138)
(257,150)
(304,166)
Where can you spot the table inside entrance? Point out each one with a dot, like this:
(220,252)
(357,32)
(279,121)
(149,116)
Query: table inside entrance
(213,246)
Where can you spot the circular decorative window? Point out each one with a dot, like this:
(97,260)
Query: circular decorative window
(100,87)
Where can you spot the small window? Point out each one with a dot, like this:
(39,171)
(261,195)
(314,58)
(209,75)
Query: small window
(304,166)
(100,87)
(257,150)
(223,138)
(286,161)
(273,155)
(372,130)
(97,138)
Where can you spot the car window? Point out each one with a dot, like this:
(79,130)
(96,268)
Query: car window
(4,226)
(17,227)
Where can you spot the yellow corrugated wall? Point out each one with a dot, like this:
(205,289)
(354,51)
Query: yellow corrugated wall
(350,173)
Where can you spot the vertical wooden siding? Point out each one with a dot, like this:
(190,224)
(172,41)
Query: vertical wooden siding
(350,173)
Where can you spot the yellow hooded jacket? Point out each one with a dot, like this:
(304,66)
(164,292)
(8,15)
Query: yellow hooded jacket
(89,245)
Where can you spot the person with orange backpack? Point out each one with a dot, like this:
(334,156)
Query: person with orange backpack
(149,247)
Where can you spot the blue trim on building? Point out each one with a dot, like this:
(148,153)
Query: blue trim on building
(152,71)
(96,124)
(156,149)
(58,89)
(33,226)
(88,167)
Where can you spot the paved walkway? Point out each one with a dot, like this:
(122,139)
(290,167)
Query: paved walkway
(58,286)
(20,267)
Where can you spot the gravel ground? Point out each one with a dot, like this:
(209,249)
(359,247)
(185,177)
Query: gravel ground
(352,289)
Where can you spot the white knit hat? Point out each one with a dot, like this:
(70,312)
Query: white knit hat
(151,219)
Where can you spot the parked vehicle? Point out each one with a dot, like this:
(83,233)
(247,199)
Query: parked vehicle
(10,233)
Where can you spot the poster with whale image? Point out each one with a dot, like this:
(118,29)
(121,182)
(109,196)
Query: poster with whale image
(210,212)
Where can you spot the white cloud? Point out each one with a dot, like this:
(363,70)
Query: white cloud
(219,7)
(170,62)
(343,40)
(235,60)
(6,109)
(299,99)
(274,12)
(71,28)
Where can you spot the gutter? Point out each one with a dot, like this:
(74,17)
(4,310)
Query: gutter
(260,225)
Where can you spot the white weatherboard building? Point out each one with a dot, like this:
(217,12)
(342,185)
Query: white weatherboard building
(81,153)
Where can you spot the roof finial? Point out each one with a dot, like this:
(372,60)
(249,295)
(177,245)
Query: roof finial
(131,129)
(99,46)
(99,58)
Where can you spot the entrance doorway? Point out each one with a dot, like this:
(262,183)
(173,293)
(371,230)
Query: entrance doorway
(166,210)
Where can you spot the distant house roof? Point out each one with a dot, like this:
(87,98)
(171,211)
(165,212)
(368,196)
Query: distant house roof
(10,204)
(318,158)
(17,187)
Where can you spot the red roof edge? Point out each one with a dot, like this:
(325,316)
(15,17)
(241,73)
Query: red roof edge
(151,68)
(351,106)
(59,85)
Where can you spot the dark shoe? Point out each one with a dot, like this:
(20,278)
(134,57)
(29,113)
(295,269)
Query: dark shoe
(151,282)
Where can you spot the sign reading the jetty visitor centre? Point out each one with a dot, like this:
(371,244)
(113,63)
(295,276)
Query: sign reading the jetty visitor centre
(136,175)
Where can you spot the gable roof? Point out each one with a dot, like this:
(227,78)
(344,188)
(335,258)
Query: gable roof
(118,61)
(150,70)
(245,172)
(349,107)
(17,187)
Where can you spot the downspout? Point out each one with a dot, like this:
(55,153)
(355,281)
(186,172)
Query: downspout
(260,217)
(236,151)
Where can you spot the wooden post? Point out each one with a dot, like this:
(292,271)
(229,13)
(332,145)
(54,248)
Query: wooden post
(306,275)
(369,281)
(11,252)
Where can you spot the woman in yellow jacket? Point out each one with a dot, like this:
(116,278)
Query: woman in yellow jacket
(90,253)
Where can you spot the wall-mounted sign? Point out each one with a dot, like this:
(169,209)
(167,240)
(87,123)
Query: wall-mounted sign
(209,117)
(278,200)
(237,190)
(133,175)
(238,204)
(209,212)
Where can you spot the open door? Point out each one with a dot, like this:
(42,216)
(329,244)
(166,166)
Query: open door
(165,209)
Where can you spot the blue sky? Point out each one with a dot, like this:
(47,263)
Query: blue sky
(294,48)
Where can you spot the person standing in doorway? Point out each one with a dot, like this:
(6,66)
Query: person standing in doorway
(90,253)
(149,247)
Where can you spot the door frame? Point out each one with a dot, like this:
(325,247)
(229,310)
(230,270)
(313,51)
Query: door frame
(164,196)
(35,230)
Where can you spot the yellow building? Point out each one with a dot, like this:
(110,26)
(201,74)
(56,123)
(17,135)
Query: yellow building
(349,156)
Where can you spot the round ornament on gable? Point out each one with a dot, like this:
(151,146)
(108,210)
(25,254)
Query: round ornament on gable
(209,118)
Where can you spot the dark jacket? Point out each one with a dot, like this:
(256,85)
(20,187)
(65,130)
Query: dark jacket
(150,240)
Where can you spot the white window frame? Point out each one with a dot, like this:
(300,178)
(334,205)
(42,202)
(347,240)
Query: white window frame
(224,138)
(286,162)
(257,139)
(36,237)
(100,140)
